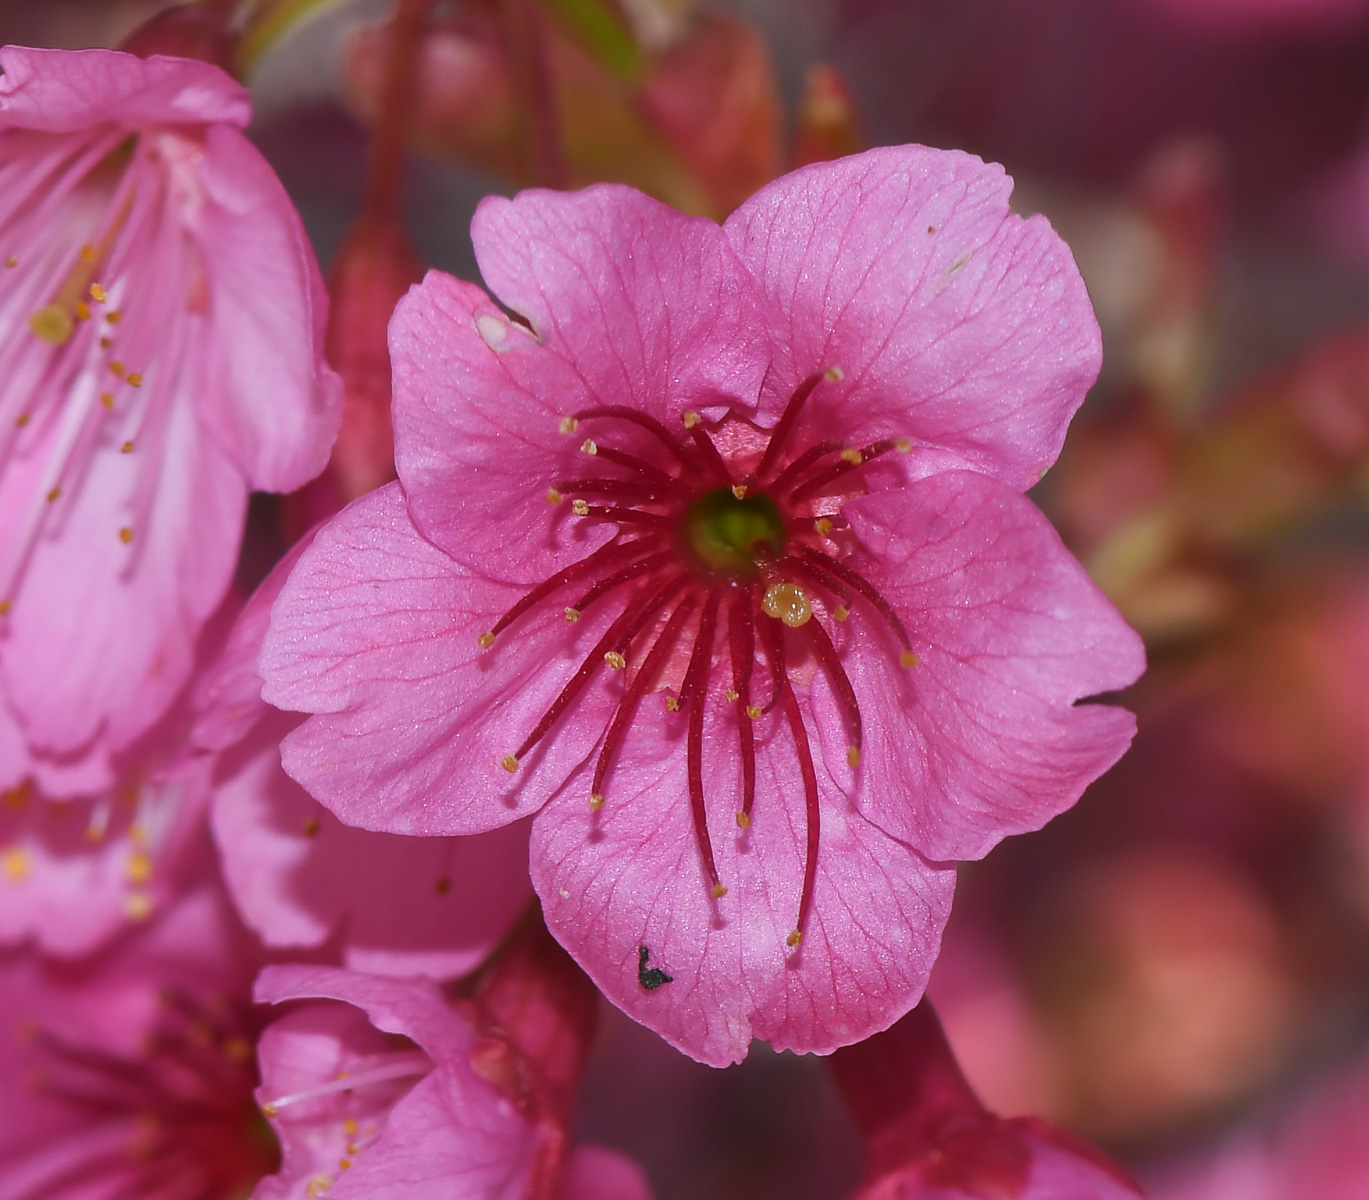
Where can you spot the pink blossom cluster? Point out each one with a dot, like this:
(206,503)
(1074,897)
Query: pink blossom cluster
(707,622)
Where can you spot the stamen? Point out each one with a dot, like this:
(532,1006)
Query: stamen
(710,458)
(850,460)
(827,655)
(622,412)
(627,706)
(787,602)
(696,689)
(822,565)
(775,637)
(640,465)
(400,1066)
(624,516)
(636,570)
(590,562)
(785,424)
(741,636)
(607,487)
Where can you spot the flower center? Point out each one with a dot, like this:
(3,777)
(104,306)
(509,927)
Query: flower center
(725,530)
(704,545)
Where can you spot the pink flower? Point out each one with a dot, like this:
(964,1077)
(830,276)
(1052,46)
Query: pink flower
(161,319)
(929,1138)
(299,877)
(359,1116)
(132,1074)
(715,554)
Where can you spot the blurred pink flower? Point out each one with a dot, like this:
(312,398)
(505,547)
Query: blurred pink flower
(361,1113)
(132,1074)
(828,408)
(399,905)
(929,1138)
(161,321)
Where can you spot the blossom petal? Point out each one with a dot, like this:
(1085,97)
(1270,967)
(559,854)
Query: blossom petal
(983,738)
(956,324)
(376,632)
(630,876)
(403,906)
(63,91)
(595,1173)
(128,620)
(266,393)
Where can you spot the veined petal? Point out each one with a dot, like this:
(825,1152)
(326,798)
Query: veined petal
(983,738)
(629,876)
(956,324)
(376,631)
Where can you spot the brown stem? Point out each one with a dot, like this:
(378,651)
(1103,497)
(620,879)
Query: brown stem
(385,165)
(530,65)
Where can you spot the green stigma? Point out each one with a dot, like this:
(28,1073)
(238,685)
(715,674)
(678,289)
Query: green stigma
(724,529)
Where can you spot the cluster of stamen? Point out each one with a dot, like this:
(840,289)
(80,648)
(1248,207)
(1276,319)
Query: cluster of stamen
(181,1117)
(704,544)
(78,220)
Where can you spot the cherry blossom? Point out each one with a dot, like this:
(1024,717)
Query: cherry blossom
(715,553)
(161,320)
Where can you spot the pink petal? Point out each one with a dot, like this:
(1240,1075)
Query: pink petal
(631,876)
(402,906)
(956,324)
(376,631)
(266,393)
(63,91)
(983,737)
(128,620)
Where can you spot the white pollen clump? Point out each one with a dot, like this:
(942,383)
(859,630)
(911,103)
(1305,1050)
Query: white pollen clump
(493,331)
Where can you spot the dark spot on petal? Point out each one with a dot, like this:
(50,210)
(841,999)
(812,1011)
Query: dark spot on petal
(650,977)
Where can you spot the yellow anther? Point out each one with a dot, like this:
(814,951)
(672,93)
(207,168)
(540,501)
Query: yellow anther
(840,613)
(743,821)
(51,324)
(794,938)
(719,891)
(730,696)
(852,456)
(615,660)
(588,447)
(139,867)
(88,253)
(753,711)
(82,311)
(344,1163)
(126,534)
(269,1110)
(553,496)
(442,886)
(107,401)
(117,368)
(126,448)
(5,606)
(672,704)
(834,374)
(16,864)
(54,495)
(11,261)
(137,906)
(902,445)
(98,294)
(21,420)
(787,602)
(823,526)
(739,490)
(312,827)
(568,424)
(596,802)
(135,380)
(319,1184)
(908,659)
(114,316)
(690,418)
(853,757)
(580,508)
(106,343)
(485,640)
(349,1126)
(572,615)
(509,763)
